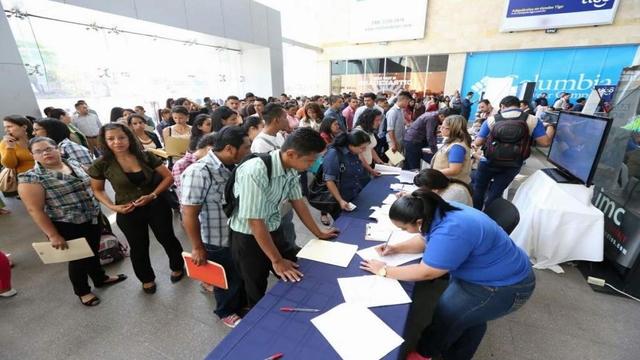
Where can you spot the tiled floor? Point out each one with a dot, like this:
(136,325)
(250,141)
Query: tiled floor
(564,319)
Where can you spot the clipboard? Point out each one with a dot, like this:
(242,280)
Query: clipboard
(395,158)
(158,152)
(176,146)
(78,249)
(211,273)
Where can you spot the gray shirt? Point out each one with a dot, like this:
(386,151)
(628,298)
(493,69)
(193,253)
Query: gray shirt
(361,109)
(89,124)
(395,123)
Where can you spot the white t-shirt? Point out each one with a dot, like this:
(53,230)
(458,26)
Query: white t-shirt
(264,143)
(368,156)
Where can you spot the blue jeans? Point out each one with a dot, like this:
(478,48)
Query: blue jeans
(460,318)
(288,229)
(232,300)
(485,191)
(412,155)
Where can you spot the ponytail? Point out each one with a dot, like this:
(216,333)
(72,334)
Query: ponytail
(353,138)
(420,205)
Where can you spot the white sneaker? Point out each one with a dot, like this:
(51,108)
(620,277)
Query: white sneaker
(9,293)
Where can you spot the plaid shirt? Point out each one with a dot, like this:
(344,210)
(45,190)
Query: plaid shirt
(73,151)
(203,185)
(68,198)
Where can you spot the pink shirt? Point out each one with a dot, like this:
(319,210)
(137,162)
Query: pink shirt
(179,167)
(348,113)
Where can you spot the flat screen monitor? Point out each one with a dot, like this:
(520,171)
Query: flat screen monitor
(577,145)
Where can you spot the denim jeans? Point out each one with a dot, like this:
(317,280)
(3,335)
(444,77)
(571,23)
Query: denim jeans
(412,155)
(484,190)
(233,299)
(460,318)
(288,229)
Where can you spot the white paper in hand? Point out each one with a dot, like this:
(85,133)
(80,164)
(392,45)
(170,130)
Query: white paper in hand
(356,333)
(395,158)
(372,291)
(328,252)
(387,170)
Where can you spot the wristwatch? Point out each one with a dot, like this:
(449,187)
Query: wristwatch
(383,272)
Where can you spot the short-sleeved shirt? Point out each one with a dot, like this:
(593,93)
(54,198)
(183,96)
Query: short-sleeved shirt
(457,154)
(395,123)
(474,248)
(73,151)
(68,198)
(373,142)
(348,182)
(126,191)
(203,184)
(264,143)
(536,128)
(261,197)
(361,109)
(88,124)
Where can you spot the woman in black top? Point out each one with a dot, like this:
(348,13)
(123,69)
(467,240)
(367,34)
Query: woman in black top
(138,179)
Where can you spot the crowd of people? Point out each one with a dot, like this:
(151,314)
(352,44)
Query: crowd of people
(249,165)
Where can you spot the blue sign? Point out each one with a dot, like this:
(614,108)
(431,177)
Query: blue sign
(575,70)
(521,8)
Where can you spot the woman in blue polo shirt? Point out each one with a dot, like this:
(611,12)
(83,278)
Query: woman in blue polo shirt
(343,168)
(489,275)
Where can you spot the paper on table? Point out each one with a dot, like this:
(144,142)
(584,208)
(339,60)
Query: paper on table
(328,252)
(372,291)
(384,209)
(375,232)
(370,253)
(403,187)
(78,249)
(406,176)
(356,333)
(390,199)
(388,170)
(395,158)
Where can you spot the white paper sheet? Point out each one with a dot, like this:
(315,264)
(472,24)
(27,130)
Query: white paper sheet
(328,252)
(389,200)
(395,158)
(356,333)
(403,187)
(375,232)
(406,176)
(388,170)
(78,249)
(370,253)
(372,291)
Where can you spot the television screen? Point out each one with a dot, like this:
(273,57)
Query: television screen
(577,144)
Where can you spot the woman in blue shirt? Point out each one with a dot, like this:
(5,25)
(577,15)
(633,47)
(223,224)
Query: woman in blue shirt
(489,275)
(343,168)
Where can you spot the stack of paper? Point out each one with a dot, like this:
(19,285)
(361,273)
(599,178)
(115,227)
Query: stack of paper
(372,291)
(395,158)
(406,176)
(403,187)
(328,252)
(388,170)
(356,333)
(397,237)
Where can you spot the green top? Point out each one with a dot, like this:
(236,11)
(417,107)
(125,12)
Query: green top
(77,136)
(126,191)
(260,198)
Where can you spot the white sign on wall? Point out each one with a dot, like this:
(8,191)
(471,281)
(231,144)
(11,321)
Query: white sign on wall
(383,20)
(547,14)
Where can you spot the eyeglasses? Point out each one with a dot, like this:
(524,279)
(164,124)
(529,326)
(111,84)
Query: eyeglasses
(41,152)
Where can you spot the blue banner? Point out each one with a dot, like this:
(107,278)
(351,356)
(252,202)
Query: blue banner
(575,70)
(522,8)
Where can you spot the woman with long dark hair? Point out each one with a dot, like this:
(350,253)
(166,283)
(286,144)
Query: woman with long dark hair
(138,124)
(57,195)
(253,126)
(312,116)
(490,276)
(222,117)
(329,129)
(369,122)
(57,131)
(202,125)
(14,147)
(138,179)
(343,169)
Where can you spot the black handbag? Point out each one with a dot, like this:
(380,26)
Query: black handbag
(319,195)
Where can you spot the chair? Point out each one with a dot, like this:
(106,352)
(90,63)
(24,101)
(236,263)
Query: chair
(504,213)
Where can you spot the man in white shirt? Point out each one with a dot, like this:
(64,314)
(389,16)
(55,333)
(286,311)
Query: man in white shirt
(272,138)
(369,103)
(562,102)
(88,124)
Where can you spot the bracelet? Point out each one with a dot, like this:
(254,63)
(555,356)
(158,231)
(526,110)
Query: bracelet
(154,195)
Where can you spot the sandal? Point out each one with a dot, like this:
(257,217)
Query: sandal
(4,211)
(175,278)
(149,290)
(94,301)
(109,282)
(324,219)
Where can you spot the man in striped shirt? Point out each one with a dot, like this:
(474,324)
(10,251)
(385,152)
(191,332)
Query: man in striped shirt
(258,245)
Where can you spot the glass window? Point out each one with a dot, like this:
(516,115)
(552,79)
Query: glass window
(338,67)
(375,66)
(355,67)
(438,62)
(436,74)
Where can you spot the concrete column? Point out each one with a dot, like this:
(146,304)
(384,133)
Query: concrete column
(455,73)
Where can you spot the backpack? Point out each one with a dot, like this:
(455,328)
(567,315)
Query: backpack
(111,248)
(509,142)
(231,201)
(319,195)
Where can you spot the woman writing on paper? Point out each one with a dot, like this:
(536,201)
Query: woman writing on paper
(58,196)
(490,276)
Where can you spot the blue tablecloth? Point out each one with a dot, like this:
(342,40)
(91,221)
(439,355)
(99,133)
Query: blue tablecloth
(266,330)
(372,195)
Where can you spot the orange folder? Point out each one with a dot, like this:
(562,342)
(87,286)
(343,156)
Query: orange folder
(210,273)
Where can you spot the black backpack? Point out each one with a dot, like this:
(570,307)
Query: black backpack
(319,195)
(231,202)
(509,142)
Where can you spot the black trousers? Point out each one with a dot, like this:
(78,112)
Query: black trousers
(135,225)
(80,269)
(233,299)
(254,265)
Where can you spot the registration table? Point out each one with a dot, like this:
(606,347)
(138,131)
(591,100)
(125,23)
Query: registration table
(558,223)
(266,330)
